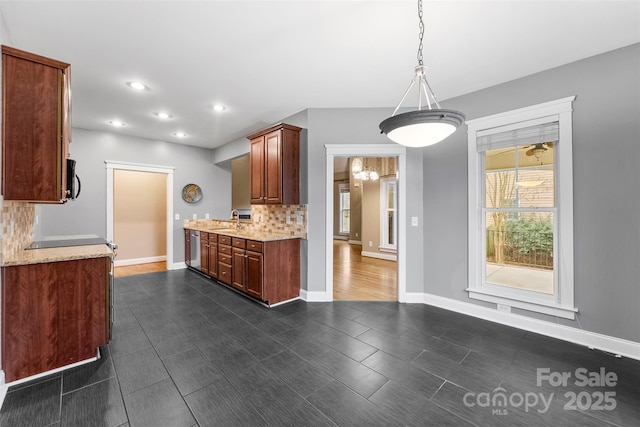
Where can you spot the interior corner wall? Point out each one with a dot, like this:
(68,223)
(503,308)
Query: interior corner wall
(87,214)
(606,180)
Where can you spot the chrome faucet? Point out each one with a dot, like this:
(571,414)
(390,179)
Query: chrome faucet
(234,212)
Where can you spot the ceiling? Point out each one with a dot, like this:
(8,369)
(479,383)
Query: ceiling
(266,60)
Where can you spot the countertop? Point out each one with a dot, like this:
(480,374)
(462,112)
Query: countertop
(245,233)
(37,256)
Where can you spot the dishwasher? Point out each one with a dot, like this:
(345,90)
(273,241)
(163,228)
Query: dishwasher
(195,249)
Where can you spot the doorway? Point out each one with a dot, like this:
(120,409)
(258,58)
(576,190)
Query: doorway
(370,151)
(365,229)
(163,173)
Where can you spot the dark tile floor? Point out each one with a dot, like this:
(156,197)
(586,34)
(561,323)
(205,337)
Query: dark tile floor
(188,352)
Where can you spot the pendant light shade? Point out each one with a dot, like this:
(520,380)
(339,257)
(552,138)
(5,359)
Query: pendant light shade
(421,127)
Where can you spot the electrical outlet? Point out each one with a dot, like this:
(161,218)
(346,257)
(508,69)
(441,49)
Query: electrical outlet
(414,221)
(370,243)
(357,234)
(504,308)
(288,218)
(177,217)
(194,216)
(206,216)
(299,219)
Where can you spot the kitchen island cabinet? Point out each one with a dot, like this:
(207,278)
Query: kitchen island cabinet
(36,129)
(53,314)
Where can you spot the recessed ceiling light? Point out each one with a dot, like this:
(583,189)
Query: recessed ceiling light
(116,123)
(163,115)
(180,134)
(218,107)
(137,86)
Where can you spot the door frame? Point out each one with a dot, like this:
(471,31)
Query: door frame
(168,170)
(368,150)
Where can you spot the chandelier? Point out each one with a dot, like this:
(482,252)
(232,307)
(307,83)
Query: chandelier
(424,126)
(363,172)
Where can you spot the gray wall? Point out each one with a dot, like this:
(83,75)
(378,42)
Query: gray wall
(606,152)
(87,214)
(356,126)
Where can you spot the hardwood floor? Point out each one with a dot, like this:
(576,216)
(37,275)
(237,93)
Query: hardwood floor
(150,267)
(358,278)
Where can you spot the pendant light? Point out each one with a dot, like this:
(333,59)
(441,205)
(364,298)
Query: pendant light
(421,127)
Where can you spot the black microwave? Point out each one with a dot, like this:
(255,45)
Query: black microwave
(73,190)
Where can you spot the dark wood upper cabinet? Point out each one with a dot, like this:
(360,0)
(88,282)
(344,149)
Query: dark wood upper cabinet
(274,159)
(36,128)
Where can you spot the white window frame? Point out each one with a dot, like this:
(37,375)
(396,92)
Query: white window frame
(385,246)
(341,190)
(561,303)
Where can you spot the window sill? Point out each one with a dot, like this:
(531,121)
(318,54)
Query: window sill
(552,310)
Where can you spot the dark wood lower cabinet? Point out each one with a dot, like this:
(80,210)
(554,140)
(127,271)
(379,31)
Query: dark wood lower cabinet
(53,314)
(266,270)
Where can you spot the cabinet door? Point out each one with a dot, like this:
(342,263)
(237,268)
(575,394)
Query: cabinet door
(237,269)
(273,167)
(213,259)
(256,168)
(35,127)
(204,256)
(254,274)
(187,247)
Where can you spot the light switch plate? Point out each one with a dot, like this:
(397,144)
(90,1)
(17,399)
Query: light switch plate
(195,216)
(177,217)
(414,221)
(206,216)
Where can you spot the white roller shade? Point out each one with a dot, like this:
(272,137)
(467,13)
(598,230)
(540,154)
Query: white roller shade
(500,138)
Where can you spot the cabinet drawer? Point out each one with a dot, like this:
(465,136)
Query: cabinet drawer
(224,249)
(252,245)
(204,237)
(224,273)
(225,240)
(239,243)
(224,258)
(213,237)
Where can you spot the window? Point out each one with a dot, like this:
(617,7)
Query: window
(521,209)
(388,214)
(345,206)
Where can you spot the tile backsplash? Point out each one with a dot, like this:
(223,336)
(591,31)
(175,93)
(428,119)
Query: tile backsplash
(17,226)
(287,219)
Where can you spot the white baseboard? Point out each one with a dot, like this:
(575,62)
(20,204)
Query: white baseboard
(379,255)
(314,296)
(178,266)
(340,238)
(589,339)
(134,261)
(355,242)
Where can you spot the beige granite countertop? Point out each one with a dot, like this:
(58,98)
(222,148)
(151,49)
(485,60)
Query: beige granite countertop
(37,256)
(245,233)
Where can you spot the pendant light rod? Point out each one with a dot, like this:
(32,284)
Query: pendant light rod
(426,125)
